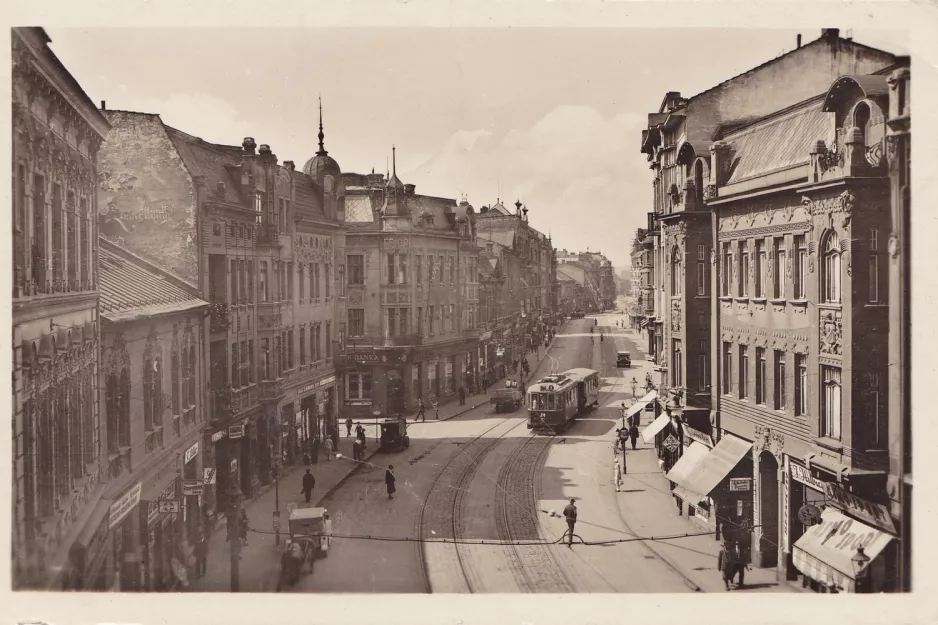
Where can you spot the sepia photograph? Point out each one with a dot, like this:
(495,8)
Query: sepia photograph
(313,309)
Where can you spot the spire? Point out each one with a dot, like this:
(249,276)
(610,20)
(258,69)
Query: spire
(322,149)
(393,181)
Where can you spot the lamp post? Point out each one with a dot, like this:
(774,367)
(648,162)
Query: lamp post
(861,570)
(234,530)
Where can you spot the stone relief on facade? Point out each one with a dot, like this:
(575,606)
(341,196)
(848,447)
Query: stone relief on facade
(831,333)
(675,315)
(893,245)
(355,298)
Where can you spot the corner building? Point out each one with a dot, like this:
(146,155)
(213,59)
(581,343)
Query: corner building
(412,287)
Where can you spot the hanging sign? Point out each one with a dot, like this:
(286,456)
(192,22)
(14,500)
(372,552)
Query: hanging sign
(740,484)
(217,436)
(698,436)
(236,431)
(809,514)
(671,443)
(801,474)
(191,453)
(171,506)
(208,475)
(192,488)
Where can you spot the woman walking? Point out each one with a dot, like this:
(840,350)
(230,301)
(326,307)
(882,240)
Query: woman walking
(389,481)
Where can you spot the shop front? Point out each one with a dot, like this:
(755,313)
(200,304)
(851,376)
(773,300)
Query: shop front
(235,450)
(193,487)
(376,381)
(88,555)
(159,515)
(315,419)
(124,526)
(803,493)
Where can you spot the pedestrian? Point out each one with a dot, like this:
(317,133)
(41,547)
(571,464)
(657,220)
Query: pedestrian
(306,461)
(244,527)
(634,387)
(462,396)
(328,447)
(436,409)
(633,434)
(648,383)
(569,513)
(742,561)
(334,434)
(357,450)
(360,434)
(421,411)
(725,565)
(348,427)
(309,483)
(617,475)
(389,480)
(201,556)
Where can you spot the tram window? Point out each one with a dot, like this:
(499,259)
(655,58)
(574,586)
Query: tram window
(552,403)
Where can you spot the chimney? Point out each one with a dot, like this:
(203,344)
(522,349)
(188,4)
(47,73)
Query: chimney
(103,105)
(799,40)
(525,211)
(409,189)
(830,33)
(248,145)
(290,165)
(518,208)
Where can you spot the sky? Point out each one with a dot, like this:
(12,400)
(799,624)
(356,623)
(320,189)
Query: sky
(551,117)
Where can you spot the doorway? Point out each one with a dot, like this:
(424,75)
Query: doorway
(768,504)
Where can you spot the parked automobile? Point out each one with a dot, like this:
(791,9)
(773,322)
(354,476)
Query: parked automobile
(623,359)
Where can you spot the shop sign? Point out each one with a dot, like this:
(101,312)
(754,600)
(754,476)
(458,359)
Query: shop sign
(671,443)
(236,431)
(875,513)
(378,358)
(698,436)
(314,385)
(485,336)
(740,484)
(126,503)
(208,475)
(171,506)
(192,488)
(808,514)
(358,402)
(234,465)
(217,436)
(191,453)
(783,530)
(701,513)
(154,508)
(803,475)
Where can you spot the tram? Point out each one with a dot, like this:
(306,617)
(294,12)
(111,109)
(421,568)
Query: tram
(553,402)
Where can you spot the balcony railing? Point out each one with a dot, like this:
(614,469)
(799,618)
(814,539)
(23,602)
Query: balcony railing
(401,340)
(268,234)
(270,390)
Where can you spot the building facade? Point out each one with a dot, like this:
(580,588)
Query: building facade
(58,519)
(797,186)
(258,241)
(152,339)
(642,313)
(412,280)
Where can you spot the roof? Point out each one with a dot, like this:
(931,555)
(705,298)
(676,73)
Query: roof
(131,288)
(209,160)
(781,142)
(437,209)
(308,197)
(502,237)
(871,87)
(358,209)
(500,208)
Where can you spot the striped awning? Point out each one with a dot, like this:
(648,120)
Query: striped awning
(644,322)
(649,433)
(712,469)
(825,551)
(688,462)
(641,403)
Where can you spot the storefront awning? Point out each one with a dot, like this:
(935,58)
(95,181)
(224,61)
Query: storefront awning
(825,551)
(641,403)
(687,464)
(711,471)
(649,433)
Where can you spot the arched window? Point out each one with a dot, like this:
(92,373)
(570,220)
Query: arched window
(699,180)
(830,273)
(861,119)
(676,272)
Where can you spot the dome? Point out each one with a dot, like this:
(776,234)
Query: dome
(321,165)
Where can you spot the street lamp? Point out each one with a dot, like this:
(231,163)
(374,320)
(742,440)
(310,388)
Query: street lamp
(860,561)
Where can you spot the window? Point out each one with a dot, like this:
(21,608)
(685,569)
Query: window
(801,385)
(677,364)
(727,368)
(676,272)
(873,267)
(876,421)
(760,375)
(452,318)
(312,281)
(245,364)
(744,269)
(779,376)
(152,393)
(71,241)
(727,270)
(57,244)
(702,367)
(250,365)
(302,281)
(452,270)
(340,280)
(778,271)
(242,281)
(262,281)
(234,300)
(418,268)
(356,321)
(429,270)
(801,267)
(761,268)
(290,281)
(358,385)
(404,321)
(701,277)
(743,371)
(430,318)
(830,415)
(317,281)
(392,269)
(312,343)
(266,359)
(391,315)
(402,268)
(174,380)
(39,250)
(283,280)
(282,214)
(328,339)
(356,269)
(326,278)
(420,319)
(318,341)
(289,349)
(830,272)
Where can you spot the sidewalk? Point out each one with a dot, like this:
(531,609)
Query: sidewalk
(649,509)
(260,560)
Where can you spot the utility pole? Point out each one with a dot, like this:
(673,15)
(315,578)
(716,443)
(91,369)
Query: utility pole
(234,531)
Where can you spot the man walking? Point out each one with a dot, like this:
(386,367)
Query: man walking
(569,513)
(201,556)
(389,481)
(348,427)
(462,396)
(309,483)
(357,450)
(634,387)
(421,412)
(633,434)
(328,447)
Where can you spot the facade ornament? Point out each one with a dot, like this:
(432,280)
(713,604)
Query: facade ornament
(751,218)
(893,245)
(713,256)
(847,201)
(676,315)
(709,192)
(831,333)
(874,154)
(830,158)
(788,212)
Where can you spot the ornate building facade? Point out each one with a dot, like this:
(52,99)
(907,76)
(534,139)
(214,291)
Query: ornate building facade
(59,521)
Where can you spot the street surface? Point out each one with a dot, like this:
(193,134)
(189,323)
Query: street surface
(484,477)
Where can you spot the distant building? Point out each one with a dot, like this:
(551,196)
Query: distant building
(60,531)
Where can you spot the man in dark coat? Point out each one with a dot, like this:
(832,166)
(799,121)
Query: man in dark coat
(421,411)
(569,513)
(462,396)
(309,482)
(201,556)
(633,434)
(389,481)
(357,450)
(348,427)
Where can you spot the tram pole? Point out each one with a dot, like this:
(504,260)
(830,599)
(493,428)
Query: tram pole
(234,532)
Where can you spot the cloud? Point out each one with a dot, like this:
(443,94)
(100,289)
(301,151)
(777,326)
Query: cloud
(575,169)
(205,116)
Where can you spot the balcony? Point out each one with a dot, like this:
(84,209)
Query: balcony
(224,406)
(219,317)
(401,340)
(270,390)
(268,234)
